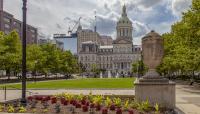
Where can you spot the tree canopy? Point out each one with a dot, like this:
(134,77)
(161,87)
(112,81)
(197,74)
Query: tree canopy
(46,58)
(182,44)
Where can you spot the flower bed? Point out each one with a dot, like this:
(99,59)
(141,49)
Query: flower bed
(81,104)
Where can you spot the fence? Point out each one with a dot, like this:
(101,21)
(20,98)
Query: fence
(10,93)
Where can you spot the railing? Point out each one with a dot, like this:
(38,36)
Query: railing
(10,93)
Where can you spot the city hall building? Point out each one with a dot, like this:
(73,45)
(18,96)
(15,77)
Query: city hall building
(112,56)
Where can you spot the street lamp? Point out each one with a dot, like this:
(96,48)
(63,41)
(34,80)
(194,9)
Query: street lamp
(35,72)
(23,100)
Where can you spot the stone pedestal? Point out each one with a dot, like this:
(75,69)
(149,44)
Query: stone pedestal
(117,75)
(159,91)
(101,75)
(109,74)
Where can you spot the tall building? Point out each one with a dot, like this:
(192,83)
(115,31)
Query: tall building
(85,35)
(8,23)
(106,40)
(69,42)
(116,57)
(58,44)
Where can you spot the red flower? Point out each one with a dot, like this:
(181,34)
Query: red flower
(92,105)
(78,105)
(131,112)
(65,102)
(105,111)
(119,111)
(112,107)
(98,107)
(62,100)
(85,108)
(83,102)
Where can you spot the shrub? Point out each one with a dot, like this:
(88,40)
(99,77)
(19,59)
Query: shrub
(144,106)
(108,102)
(1,108)
(157,109)
(34,110)
(117,102)
(126,105)
(134,105)
(98,99)
(45,110)
(11,109)
(22,109)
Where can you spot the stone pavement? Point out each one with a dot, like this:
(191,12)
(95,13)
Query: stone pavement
(187,97)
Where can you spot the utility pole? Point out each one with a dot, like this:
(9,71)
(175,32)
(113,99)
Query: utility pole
(24,9)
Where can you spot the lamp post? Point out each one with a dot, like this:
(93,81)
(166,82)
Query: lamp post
(35,72)
(23,100)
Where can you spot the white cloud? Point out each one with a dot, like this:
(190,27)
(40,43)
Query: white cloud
(179,6)
(56,16)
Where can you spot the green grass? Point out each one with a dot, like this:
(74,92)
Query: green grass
(80,83)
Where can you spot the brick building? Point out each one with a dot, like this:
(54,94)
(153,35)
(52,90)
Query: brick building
(8,23)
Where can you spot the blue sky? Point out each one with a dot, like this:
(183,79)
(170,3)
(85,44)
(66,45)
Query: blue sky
(56,16)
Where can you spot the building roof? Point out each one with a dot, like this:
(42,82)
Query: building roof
(152,34)
(106,37)
(124,19)
(86,30)
(106,47)
(88,42)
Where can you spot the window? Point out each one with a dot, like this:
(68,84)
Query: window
(32,30)
(123,32)
(33,35)
(7,26)
(7,20)
(17,24)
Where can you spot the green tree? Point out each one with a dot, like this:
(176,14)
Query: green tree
(182,44)
(95,69)
(10,49)
(139,67)
(35,58)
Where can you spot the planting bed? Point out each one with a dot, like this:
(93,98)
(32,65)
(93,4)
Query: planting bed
(80,104)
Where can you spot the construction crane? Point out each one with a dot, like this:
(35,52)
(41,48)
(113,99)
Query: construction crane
(76,24)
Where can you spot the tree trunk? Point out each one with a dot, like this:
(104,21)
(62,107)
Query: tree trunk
(8,74)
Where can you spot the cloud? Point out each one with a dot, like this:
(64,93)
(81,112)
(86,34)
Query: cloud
(179,6)
(51,16)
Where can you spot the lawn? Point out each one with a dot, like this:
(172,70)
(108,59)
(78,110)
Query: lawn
(80,83)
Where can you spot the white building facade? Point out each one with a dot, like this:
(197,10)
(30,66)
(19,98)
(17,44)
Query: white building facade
(116,58)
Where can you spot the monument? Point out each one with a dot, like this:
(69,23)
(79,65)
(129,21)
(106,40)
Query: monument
(117,75)
(101,75)
(109,74)
(152,86)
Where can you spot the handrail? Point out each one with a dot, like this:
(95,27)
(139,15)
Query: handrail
(20,89)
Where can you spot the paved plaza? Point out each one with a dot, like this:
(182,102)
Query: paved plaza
(187,97)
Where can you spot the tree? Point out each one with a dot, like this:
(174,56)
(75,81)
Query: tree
(95,69)
(35,58)
(10,59)
(139,67)
(182,44)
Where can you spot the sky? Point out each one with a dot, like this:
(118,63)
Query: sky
(56,16)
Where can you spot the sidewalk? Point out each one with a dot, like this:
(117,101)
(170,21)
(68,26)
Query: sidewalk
(187,98)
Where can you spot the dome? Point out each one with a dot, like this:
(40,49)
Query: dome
(152,34)
(124,20)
